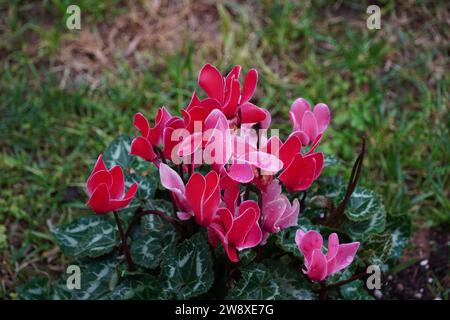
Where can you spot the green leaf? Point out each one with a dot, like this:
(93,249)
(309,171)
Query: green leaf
(118,153)
(89,236)
(186,270)
(142,287)
(96,276)
(35,289)
(146,188)
(291,282)
(355,290)
(377,248)
(363,205)
(362,229)
(330,160)
(256,284)
(399,228)
(153,238)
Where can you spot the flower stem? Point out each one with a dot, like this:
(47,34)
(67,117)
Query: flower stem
(125,247)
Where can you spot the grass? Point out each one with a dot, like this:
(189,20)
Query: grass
(389,84)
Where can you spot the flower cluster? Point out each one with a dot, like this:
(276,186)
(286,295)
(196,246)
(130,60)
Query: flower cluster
(216,155)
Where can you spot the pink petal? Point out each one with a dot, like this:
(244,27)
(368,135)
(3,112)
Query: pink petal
(141,123)
(251,79)
(267,162)
(190,144)
(142,148)
(345,256)
(311,241)
(290,215)
(241,172)
(298,108)
(272,211)
(170,179)
(183,215)
(211,81)
(317,270)
(265,124)
(118,184)
(333,246)
(298,237)
(309,125)
(322,114)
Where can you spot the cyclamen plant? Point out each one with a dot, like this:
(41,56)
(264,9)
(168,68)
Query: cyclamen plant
(210,206)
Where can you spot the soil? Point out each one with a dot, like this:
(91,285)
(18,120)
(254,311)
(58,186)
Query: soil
(428,274)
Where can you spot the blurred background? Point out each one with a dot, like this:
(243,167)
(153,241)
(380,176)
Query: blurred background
(65,94)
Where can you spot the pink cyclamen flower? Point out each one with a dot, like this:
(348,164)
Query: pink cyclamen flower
(143,146)
(173,182)
(236,231)
(319,265)
(200,197)
(310,125)
(106,188)
(277,211)
(227,94)
(302,171)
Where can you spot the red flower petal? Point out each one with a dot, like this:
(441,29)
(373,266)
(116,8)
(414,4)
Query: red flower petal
(118,184)
(142,148)
(141,123)
(99,200)
(98,178)
(120,204)
(251,79)
(212,82)
(251,113)
(99,165)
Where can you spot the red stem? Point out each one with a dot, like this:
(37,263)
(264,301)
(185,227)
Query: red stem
(125,247)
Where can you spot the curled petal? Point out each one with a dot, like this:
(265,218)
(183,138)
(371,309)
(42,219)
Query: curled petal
(98,178)
(99,200)
(142,148)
